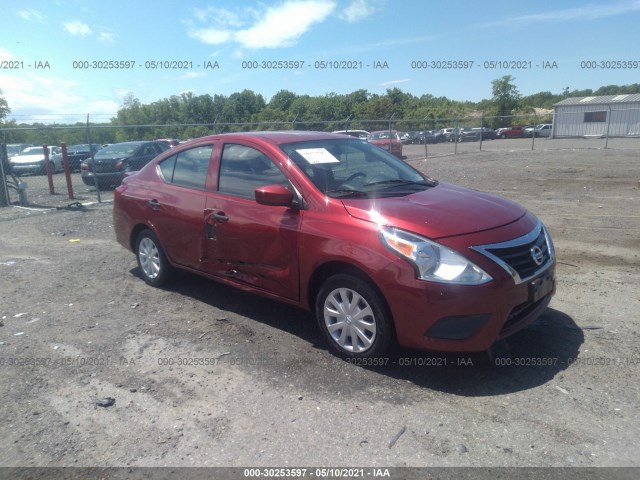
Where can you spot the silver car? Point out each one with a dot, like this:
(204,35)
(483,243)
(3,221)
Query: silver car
(31,160)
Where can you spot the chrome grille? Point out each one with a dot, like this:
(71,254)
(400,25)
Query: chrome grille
(523,257)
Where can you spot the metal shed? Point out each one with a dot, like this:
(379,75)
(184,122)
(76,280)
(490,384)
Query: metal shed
(598,116)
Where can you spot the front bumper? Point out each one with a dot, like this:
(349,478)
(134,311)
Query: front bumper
(463,318)
(28,168)
(104,179)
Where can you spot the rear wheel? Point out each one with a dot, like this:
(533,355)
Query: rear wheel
(152,260)
(353,317)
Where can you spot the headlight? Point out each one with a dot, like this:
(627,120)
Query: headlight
(432,261)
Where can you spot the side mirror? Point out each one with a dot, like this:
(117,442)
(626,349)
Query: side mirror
(274,195)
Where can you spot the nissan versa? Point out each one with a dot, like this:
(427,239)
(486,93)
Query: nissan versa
(380,252)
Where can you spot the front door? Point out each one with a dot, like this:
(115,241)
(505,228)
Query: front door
(250,243)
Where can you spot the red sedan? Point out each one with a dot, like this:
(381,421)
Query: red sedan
(380,252)
(387,139)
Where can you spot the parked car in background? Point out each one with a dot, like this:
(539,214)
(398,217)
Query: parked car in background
(405,137)
(109,164)
(445,134)
(387,139)
(485,133)
(516,131)
(31,161)
(415,137)
(172,142)
(420,138)
(16,148)
(543,130)
(363,134)
(77,153)
(438,136)
(464,134)
(378,251)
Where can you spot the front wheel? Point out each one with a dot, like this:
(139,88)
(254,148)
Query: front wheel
(152,260)
(353,317)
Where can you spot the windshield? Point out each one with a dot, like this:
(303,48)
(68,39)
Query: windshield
(382,135)
(32,151)
(78,148)
(118,150)
(354,168)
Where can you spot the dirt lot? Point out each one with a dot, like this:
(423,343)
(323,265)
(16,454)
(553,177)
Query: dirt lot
(205,375)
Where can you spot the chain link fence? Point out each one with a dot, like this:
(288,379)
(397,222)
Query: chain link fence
(59,184)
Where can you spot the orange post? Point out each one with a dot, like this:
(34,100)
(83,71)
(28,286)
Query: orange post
(67,169)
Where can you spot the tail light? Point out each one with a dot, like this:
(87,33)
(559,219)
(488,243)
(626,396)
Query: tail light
(119,165)
(85,166)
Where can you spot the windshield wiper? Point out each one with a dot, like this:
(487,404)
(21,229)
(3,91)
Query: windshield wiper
(346,192)
(400,182)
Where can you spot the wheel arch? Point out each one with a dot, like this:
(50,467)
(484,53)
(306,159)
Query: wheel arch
(327,270)
(135,232)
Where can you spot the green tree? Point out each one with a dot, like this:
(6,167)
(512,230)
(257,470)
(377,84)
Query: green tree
(282,100)
(4,107)
(506,96)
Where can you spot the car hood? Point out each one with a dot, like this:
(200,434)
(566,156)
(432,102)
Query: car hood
(442,211)
(27,158)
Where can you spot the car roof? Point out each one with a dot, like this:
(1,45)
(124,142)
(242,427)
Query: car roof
(274,137)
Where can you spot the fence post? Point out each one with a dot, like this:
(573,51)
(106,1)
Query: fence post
(93,162)
(347,122)
(456,132)
(47,167)
(533,133)
(4,190)
(215,123)
(606,140)
(481,128)
(390,124)
(424,133)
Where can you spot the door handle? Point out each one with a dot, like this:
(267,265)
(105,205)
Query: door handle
(153,204)
(220,217)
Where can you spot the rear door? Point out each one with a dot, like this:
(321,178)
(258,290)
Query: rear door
(247,242)
(178,208)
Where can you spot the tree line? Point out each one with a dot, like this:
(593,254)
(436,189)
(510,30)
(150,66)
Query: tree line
(189,116)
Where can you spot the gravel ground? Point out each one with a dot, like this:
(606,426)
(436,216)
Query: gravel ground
(204,375)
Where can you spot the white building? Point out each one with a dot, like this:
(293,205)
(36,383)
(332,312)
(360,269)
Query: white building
(607,115)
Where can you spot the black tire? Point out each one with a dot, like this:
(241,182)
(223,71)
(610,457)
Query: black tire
(376,325)
(152,261)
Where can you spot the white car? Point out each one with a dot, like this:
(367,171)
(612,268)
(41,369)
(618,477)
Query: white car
(543,130)
(31,160)
(540,130)
(363,134)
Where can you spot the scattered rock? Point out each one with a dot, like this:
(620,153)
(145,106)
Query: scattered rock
(460,448)
(106,402)
(397,436)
